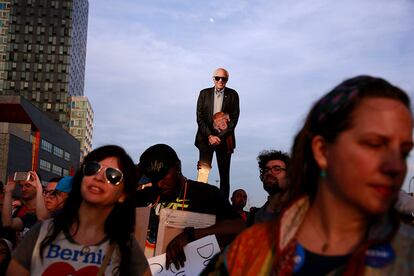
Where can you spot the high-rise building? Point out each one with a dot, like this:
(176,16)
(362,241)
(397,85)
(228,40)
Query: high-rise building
(42,52)
(81,122)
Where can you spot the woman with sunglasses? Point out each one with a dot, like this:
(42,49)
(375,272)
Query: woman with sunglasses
(349,161)
(92,234)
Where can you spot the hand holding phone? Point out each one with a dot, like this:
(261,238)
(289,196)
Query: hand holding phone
(21,176)
(35,181)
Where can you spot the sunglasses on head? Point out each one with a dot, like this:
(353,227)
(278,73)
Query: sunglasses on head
(112,175)
(224,79)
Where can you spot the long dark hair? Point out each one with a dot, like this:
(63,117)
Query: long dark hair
(120,223)
(329,116)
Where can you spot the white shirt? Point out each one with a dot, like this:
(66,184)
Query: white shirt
(218,100)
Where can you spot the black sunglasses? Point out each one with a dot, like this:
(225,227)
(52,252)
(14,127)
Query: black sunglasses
(112,175)
(224,79)
(52,193)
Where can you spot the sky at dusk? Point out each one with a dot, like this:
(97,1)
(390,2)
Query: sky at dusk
(148,60)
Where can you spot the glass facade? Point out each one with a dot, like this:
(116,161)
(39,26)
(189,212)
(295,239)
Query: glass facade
(42,52)
(57,151)
(46,146)
(45,165)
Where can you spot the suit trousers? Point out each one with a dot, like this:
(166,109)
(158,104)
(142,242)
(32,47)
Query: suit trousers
(223,163)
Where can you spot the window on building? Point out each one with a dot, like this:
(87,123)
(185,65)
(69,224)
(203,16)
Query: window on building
(45,165)
(56,169)
(65,172)
(62,118)
(58,151)
(46,146)
(67,156)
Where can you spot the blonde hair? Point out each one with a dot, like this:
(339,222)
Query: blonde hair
(221,114)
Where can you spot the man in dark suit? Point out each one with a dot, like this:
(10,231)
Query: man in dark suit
(209,139)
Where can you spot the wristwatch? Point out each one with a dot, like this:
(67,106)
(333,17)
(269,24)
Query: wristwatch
(189,232)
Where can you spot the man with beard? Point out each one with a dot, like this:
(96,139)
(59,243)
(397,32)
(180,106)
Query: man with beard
(273,167)
(24,217)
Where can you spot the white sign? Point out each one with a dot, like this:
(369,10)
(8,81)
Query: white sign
(198,254)
(172,222)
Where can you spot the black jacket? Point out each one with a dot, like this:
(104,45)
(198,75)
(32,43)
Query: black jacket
(205,108)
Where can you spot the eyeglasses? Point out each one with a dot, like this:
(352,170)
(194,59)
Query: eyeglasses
(224,79)
(275,170)
(51,193)
(112,175)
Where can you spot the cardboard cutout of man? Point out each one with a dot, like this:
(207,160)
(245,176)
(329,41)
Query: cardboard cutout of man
(208,139)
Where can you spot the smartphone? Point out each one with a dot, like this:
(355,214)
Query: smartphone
(21,176)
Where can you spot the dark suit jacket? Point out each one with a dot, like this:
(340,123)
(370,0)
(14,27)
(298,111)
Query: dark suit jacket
(205,106)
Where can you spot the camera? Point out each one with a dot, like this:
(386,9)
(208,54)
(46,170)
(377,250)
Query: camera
(21,176)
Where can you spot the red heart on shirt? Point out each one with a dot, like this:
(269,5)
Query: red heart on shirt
(64,269)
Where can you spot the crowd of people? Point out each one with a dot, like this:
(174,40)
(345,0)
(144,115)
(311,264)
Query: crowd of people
(331,206)
(348,163)
(24,203)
